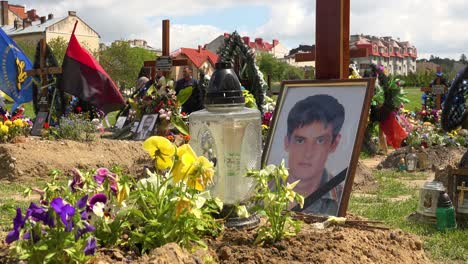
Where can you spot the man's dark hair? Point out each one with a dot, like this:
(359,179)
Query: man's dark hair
(317,108)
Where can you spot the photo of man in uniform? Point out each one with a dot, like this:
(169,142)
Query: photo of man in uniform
(313,133)
(146,128)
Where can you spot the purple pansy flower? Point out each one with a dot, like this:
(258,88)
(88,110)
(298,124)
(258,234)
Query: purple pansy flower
(99,197)
(38,213)
(82,231)
(82,202)
(102,174)
(78,180)
(90,248)
(66,212)
(18,223)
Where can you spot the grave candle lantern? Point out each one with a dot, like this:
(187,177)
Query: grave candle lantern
(229,135)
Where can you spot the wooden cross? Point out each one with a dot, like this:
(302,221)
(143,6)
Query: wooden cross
(165,51)
(463,188)
(332,51)
(438,95)
(42,72)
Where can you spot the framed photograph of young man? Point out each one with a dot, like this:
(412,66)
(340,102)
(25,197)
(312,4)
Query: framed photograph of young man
(317,129)
(146,126)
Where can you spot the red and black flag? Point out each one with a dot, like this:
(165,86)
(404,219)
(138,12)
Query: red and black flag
(83,77)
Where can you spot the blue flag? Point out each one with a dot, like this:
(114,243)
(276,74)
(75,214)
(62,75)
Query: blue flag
(13,78)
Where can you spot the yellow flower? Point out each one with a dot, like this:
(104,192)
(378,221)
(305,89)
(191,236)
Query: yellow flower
(162,150)
(124,190)
(8,123)
(198,172)
(182,205)
(18,122)
(4,129)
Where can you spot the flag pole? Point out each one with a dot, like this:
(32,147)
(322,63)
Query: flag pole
(74,27)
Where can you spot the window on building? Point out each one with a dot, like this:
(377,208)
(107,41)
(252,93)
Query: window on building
(399,68)
(363,66)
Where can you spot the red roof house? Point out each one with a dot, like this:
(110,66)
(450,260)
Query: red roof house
(198,59)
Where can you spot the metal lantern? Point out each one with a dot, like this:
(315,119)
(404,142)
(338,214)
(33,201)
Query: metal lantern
(428,197)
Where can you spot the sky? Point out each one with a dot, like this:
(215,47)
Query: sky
(434,26)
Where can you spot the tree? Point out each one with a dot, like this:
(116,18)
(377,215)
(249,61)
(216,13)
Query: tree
(123,62)
(278,70)
(463,58)
(28,48)
(59,47)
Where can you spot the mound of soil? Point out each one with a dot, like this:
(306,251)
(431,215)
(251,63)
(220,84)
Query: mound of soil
(335,245)
(438,156)
(364,180)
(35,157)
(332,245)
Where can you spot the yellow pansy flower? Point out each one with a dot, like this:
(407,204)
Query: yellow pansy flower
(162,150)
(8,123)
(4,129)
(18,122)
(182,205)
(123,193)
(198,172)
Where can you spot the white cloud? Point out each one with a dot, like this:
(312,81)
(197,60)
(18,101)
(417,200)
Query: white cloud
(433,26)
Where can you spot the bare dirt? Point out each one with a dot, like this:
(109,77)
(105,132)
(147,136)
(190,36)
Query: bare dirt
(36,157)
(333,245)
(438,157)
(364,180)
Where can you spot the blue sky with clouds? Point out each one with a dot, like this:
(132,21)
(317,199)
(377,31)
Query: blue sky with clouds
(433,26)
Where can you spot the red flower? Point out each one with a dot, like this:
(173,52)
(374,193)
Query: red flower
(78,109)
(46,125)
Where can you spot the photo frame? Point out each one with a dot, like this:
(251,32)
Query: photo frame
(120,122)
(38,125)
(134,126)
(317,129)
(146,126)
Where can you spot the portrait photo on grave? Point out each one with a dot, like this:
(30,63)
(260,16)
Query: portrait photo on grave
(120,122)
(41,118)
(317,129)
(146,126)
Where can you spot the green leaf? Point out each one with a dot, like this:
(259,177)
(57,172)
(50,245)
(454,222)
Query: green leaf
(180,124)
(184,95)
(49,256)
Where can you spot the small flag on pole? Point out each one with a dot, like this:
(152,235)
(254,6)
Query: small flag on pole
(84,77)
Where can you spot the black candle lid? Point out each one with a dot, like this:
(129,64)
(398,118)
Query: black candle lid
(444,200)
(224,87)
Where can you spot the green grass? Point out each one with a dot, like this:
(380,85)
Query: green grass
(447,247)
(414,95)
(10,199)
(28,109)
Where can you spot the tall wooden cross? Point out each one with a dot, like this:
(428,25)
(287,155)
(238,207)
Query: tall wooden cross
(332,51)
(165,51)
(438,88)
(42,72)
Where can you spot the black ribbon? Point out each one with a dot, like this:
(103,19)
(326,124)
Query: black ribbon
(340,177)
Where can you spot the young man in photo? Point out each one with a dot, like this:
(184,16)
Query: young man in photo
(146,129)
(313,133)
